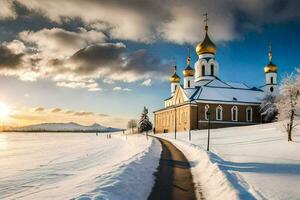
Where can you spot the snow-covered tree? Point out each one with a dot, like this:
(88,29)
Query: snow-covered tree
(289,103)
(132,125)
(268,108)
(144,124)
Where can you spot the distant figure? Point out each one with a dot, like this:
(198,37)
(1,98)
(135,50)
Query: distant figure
(96,133)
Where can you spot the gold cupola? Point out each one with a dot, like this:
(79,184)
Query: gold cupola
(175,78)
(188,71)
(271,67)
(207,46)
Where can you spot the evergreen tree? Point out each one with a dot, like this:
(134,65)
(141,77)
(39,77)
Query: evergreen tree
(144,124)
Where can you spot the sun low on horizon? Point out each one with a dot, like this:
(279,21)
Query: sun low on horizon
(4,111)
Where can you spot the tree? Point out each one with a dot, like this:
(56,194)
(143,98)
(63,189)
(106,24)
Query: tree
(268,108)
(288,102)
(144,124)
(131,125)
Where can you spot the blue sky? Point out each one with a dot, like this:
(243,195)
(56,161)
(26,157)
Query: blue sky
(91,66)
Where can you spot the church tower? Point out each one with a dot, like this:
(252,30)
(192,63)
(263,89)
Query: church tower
(206,68)
(188,73)
(271,76)
(175,81)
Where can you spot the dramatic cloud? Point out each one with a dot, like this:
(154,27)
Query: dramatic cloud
(9,59)
(171,20)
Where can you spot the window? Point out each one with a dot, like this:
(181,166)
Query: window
(189,84)
(271,89)
(249,114)
(271,80)
(212,69)
(219,113)
(203,70)
(175,88)
(234,113)
(206,112)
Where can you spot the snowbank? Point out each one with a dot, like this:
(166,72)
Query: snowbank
(253,162)
(76,166)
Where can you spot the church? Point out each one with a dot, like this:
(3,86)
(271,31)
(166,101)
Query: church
(204,100)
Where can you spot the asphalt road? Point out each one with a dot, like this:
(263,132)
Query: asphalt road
(173,178)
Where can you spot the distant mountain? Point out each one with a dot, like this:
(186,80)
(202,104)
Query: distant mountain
(64,127)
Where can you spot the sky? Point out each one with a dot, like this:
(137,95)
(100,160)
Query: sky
(99,61)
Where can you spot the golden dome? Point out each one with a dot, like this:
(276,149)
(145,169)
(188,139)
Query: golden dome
(188,71)
(175,78)
(270,68)
(207,46)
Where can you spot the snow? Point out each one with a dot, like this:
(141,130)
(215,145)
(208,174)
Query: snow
(251,162)
(229,94)
(78,166)
(238,85)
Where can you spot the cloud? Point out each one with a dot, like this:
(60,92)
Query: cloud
(10,59)
(176,21)
(6,10)
(39,109)
(58,43)
(83,113)
(121,89)
(147,82)
(56,110)
(76,59)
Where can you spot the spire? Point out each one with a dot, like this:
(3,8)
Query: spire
(206,20)
(270,52)
(189,57)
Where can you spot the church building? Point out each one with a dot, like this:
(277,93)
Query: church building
(205,100)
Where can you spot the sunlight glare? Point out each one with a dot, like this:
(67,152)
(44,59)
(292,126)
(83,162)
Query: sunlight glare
(4,110)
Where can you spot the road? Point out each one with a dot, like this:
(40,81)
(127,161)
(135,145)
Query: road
(173,178)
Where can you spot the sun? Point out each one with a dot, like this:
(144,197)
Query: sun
(4,110)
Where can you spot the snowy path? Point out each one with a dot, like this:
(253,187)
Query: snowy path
(173,178)
(65,166)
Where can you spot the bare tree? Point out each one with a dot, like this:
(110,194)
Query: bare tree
(288,102)
(131,125)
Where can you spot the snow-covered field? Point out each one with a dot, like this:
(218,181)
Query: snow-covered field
(253,162)
(78,166)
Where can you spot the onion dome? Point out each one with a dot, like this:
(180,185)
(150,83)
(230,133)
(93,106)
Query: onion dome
(175,78)
(270,67)
(207,46)
(188,71)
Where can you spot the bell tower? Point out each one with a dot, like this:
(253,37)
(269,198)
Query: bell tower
(175,81)
(271,75)
(206,67)
(188,73)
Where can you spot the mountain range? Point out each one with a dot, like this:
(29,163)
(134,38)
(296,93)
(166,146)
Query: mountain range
(64,127)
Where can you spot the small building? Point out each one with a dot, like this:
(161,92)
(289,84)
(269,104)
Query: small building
(204,98)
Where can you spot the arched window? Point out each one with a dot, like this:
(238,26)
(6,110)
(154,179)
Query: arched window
(249,114)
(189,84)
(219,113)
(175,88)
(212,69)
(271,89)
(272,80)
(234,113)
(203,70)
(206,113)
